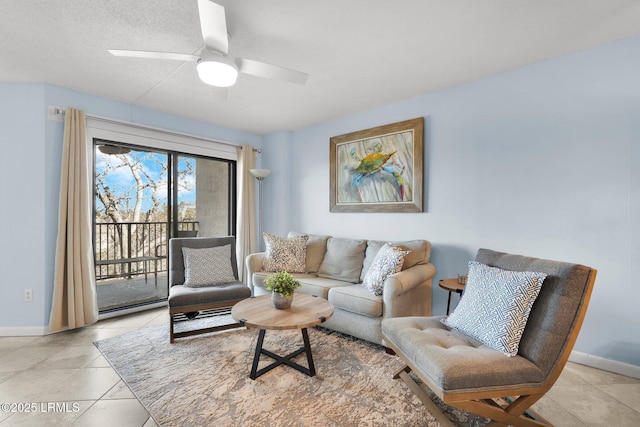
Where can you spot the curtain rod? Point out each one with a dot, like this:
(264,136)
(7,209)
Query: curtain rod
(57,111)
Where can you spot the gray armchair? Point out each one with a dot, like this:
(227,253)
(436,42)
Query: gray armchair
(466,374)
(187,300)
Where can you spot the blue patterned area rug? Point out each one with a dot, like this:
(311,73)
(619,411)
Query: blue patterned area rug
(204,381)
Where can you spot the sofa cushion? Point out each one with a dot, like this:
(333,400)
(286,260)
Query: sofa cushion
(320,286)
(343,259)
(316,247)
(207,266)
(388,261)
(420,252)
(285,254)
(373,247)
(356,299)
(495,306)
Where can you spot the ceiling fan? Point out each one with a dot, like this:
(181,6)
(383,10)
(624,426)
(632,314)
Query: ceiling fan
(214,65)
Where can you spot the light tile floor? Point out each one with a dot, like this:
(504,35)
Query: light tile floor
(64,380)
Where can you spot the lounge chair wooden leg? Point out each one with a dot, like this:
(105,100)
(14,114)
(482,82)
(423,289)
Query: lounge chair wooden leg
(171,329)
(499,415)
(405,369)
(522,405)
(425,399)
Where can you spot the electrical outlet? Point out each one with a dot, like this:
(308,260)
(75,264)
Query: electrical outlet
(28,295)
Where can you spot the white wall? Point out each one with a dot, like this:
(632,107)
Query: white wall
(30,185)
(22,198)
(541,161)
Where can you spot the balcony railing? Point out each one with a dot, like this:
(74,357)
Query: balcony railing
(128,249)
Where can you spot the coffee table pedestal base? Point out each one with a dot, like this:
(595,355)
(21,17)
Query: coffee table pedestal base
(280,360)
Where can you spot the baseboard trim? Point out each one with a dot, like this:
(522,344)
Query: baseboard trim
(38,331)
(614,366)
(24,331)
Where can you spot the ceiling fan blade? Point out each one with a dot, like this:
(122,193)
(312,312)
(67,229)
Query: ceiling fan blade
(153,55)
(214,26)
(268,71)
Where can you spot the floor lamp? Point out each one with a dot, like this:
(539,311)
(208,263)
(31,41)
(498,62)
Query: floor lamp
(260,175)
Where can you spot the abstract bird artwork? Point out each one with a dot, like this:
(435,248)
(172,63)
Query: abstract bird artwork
(377,171)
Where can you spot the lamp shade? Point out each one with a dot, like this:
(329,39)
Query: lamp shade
(260,173)
(216,70)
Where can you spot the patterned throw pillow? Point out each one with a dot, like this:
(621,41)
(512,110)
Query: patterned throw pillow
(495,306)
(207,266)
(389,260)
(284,254)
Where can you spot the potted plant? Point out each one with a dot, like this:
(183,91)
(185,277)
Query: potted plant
(282,286)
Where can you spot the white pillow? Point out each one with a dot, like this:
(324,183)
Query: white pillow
(207,266)
(495,306)
(388,260)
(285,254)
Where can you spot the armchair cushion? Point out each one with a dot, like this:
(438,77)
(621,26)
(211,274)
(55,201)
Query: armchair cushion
(389,260)
(182,296)
(207,266)
(285,254)
(454,360)
(496,305)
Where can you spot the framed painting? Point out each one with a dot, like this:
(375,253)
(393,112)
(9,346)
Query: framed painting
(378,169)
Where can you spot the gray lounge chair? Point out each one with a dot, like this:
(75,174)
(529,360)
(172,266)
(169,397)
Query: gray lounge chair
(188,300)
(466,374)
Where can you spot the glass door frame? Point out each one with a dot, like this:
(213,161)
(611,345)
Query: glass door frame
(172,217)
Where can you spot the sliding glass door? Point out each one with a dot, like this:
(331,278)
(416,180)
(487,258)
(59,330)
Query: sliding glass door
(203,197)
(144,197)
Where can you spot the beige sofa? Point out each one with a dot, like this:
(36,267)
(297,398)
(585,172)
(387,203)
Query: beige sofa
(335,269)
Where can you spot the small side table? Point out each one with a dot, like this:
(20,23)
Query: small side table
(451,285)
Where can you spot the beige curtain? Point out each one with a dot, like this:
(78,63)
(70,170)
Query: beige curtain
(74,291)
(246,242)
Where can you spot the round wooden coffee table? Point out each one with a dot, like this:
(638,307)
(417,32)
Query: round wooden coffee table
(305,311)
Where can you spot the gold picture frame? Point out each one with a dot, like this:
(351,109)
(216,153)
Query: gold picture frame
(378,169)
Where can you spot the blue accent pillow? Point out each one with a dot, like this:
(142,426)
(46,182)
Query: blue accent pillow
(495,306)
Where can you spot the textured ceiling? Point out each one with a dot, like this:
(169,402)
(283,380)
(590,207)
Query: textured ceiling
(359,54)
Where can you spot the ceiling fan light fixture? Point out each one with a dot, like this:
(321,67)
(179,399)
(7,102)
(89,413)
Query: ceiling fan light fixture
(218,71)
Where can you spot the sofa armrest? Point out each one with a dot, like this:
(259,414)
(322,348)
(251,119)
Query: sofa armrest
(408,293)
(253,262)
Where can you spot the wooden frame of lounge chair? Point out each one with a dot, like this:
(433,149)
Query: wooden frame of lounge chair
(520,398)
(173,311)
